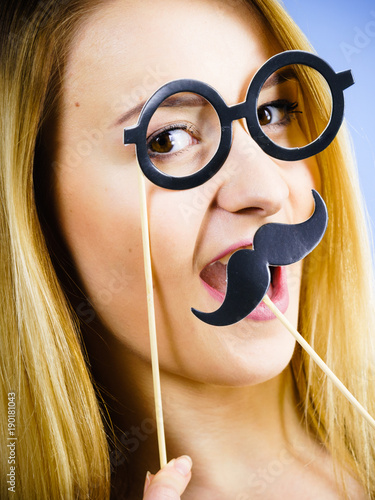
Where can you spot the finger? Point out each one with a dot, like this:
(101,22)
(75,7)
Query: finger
(170,482)
(148,480)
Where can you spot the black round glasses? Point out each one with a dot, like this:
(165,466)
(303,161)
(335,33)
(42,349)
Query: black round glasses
(184,131)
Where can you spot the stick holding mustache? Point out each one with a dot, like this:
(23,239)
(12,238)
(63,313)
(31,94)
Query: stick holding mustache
(248,271)
(249,277)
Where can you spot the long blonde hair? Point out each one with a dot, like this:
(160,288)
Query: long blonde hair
(62,450)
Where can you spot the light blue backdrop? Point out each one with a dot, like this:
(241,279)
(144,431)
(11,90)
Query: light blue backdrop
(343,33)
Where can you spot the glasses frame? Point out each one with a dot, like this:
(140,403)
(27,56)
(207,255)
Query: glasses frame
(137,134)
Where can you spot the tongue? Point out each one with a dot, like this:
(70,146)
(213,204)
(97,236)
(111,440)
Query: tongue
(215,275)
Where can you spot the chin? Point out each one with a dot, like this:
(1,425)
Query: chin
(237,358)
(250,371)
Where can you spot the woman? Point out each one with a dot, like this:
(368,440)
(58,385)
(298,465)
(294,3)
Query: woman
(244,402)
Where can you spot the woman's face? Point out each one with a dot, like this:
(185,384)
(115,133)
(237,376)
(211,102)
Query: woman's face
(125,52)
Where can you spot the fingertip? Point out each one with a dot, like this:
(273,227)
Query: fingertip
(183,465)
(171,481)
(148,480)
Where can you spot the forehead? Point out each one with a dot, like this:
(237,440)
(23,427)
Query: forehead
(128,49)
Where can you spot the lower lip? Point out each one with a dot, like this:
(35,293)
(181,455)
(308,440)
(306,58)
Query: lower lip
(277,292)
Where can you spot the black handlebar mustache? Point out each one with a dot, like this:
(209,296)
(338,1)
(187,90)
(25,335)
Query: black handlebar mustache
(248,273)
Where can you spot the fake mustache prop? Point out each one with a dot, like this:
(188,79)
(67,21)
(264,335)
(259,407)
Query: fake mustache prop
(248,271)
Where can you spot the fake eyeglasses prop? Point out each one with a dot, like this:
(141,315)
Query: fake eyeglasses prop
(184,131)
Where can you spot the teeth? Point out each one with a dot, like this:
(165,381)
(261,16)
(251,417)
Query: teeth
(225,259)
(215,276)
(215,273)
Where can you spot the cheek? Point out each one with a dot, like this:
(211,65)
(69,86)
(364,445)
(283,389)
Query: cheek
(99,218)
(301,177)
(174,220)
(100,224)
(314,173)
(310,179)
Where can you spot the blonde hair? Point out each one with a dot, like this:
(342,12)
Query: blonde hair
(62,449)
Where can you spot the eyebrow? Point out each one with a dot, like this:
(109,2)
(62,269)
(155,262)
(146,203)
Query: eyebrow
(189,99)
(280,77)
(183,99)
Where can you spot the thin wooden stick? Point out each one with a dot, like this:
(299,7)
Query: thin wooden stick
(152,323)
(319,361)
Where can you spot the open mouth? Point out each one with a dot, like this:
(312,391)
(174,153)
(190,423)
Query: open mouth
(215,276)
(214,280)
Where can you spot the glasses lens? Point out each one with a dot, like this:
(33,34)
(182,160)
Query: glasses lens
(183,134)
(294,106)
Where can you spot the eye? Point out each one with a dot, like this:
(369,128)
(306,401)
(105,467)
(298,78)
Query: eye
(172,139)
(277,112)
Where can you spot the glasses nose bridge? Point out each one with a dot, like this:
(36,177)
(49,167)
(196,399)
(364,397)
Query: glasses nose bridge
(237,111)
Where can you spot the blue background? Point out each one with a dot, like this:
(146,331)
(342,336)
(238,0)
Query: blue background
(343,33)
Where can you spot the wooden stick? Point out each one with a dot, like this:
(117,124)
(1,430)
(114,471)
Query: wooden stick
(152,322)
(319,361)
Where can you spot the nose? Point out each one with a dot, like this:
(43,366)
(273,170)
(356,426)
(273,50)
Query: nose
(252,180)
